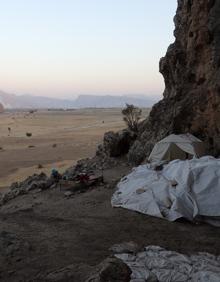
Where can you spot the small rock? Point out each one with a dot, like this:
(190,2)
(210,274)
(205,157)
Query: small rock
(61,274)
(68,194)
(128,247)
(111,270)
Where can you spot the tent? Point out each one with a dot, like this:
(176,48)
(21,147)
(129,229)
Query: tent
(183,188)
(181,147)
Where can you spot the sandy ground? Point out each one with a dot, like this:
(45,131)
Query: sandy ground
(75,133)
(56,232)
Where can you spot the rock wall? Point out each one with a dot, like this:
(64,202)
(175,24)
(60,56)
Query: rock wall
(191,70)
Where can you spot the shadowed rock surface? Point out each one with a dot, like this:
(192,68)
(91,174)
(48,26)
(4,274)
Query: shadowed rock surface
(191,70)
(116,144)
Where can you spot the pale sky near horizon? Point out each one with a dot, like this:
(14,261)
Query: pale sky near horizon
(63,48)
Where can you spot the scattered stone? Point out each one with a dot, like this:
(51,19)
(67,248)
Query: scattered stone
(53,186)
(38,191)
(68,194)
(90,166)
(36,182)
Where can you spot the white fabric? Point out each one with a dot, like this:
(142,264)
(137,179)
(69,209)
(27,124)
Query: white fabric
(189,189)
(157,264)
(175,146)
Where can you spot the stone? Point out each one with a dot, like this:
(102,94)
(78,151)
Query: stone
(36,183)
(111,270)
(127,247)
(191,70)
(68,194)
(91,166)
(63,274)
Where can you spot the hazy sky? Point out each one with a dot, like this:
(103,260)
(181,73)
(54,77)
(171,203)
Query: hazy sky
(64,48)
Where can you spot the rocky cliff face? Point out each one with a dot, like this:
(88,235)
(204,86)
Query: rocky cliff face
(191,70)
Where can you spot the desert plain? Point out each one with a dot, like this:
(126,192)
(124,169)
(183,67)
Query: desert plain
(58,139)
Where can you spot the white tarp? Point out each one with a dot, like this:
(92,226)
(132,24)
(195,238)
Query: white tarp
(189,189)
(176,147)
(157,264)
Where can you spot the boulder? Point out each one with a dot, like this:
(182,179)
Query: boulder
(116,144)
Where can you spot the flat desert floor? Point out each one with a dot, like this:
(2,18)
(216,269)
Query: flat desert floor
(59,139)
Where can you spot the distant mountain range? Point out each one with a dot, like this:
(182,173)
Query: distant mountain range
(12,101)
(92,101)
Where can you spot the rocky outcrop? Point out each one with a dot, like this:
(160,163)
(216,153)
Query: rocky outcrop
(191,70)
(35,182)
(116,144)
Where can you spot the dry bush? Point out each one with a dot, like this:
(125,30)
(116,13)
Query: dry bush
(132,116)
(28,134)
